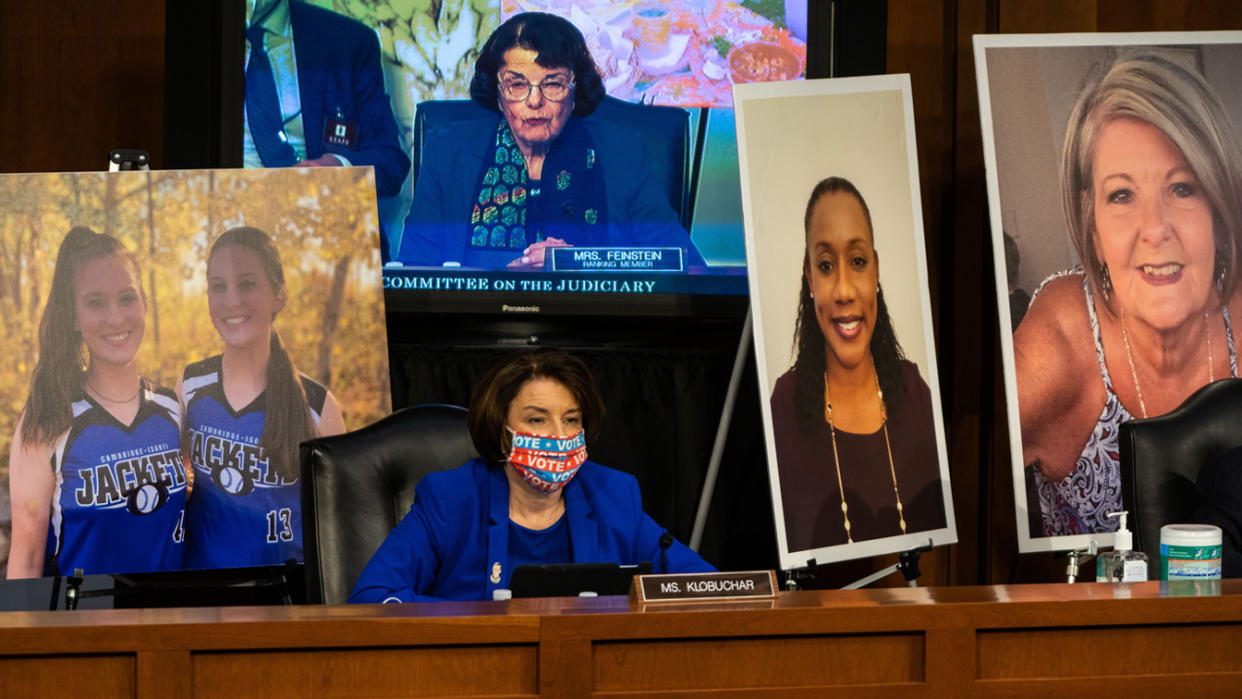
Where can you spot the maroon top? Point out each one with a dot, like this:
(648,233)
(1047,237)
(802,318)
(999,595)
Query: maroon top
(809,493)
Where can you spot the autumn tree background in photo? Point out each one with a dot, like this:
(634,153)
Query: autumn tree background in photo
(322,220)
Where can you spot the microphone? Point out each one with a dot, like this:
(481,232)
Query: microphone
(666,540)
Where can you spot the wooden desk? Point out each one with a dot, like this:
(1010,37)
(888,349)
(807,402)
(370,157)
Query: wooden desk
(996,641)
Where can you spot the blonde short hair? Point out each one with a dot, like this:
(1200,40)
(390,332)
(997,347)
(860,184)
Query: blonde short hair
(1153,86)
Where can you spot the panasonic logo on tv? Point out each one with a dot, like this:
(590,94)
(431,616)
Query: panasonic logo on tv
(506,308)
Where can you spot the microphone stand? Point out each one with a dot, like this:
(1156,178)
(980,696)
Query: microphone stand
(666,541)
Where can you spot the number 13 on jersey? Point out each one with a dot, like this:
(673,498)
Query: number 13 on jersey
(279,525)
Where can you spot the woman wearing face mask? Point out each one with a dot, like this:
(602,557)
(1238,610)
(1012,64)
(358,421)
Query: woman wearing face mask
(532,498)
(854,432)
(95,472)
(247,410)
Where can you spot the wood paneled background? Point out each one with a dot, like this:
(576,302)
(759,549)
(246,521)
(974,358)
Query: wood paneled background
(78,79)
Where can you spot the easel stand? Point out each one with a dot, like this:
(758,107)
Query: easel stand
(795,577)
(1076,557)
(722,432)
(908,564)
(122,159)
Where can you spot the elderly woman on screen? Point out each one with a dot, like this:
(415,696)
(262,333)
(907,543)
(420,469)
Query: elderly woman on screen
(498,192)
(1150,175)
(533,497)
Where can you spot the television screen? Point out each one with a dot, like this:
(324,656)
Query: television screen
(637,208)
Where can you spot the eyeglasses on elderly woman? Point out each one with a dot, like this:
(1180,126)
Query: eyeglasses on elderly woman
(554,89)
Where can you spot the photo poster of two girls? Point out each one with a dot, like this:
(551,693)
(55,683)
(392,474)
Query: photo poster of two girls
(170,338)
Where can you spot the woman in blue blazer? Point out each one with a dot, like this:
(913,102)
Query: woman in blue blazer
(532,498)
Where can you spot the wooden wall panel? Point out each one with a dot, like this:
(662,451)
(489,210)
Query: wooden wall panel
(1168,15)
(1091,652)
(973,306)
(916,46)
(931,41)
(79,79)
(704,664)
(68,676)
(916,33)
(1039,16)
(409,672)
(163,673)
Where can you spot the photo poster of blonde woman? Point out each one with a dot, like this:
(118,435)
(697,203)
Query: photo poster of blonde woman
(129,302)
(1112,165)
(843,331)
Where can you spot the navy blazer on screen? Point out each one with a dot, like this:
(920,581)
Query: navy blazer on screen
(339,69)
(438,228)
(448,546)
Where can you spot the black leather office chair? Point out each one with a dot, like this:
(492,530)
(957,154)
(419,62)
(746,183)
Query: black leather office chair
(665,133)
(357,486)
(1161,458)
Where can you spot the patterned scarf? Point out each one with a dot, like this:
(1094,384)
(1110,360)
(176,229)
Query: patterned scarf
(510,212)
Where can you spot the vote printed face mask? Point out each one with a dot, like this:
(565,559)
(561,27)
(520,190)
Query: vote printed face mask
(547,463)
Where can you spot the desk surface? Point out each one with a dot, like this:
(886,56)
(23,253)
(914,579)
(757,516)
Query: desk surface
(998,596)
(1008,640)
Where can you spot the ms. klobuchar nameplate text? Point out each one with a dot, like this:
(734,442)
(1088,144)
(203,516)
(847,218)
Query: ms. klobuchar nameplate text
(746,584)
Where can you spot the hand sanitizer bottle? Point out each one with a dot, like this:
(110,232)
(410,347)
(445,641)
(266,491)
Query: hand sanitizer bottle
(1122,564)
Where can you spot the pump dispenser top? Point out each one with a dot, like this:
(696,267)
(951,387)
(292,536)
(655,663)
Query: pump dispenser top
(1123,540)
(1122,564)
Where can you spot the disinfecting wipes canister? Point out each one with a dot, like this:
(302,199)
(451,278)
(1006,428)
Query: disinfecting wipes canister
(1190,552)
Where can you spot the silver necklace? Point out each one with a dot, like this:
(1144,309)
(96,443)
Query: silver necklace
(100,394)
(1125,337)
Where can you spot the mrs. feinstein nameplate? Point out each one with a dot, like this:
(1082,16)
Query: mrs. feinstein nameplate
(705,587)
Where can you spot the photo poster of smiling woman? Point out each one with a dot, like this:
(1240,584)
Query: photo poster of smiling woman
(107,310)
(842,318)
(1113,173)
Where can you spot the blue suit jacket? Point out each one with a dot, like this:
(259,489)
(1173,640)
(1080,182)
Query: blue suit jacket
(448,546)
(438,227)
(339,69)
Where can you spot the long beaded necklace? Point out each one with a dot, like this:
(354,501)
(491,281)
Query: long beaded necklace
(836,460)
(1125,336)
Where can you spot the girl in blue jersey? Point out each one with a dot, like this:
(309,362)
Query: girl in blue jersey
(247,410)
(96,475)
